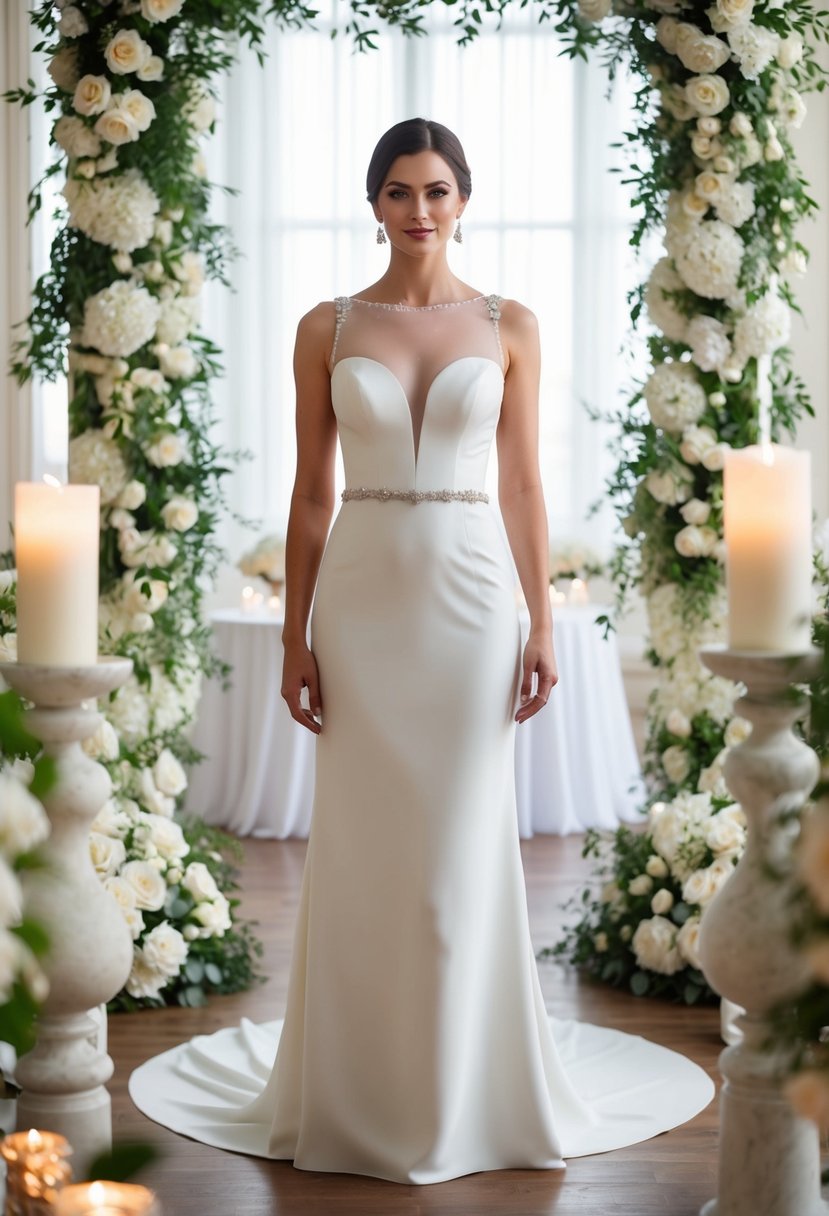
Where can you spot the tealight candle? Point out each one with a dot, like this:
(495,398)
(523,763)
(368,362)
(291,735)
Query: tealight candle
(107,1199)
(36,1170)
(274,605)
(768,527)
(56,541)
(578,591)
(247,599)
(556,596)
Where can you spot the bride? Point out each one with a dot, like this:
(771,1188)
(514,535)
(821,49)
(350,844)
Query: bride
(415,1045)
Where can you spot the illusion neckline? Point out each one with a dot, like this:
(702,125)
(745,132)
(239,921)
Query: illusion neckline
(416,307)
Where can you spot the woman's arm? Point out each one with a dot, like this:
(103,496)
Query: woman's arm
(522,500)
(312,505)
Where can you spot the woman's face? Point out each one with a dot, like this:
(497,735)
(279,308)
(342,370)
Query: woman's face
(419,203)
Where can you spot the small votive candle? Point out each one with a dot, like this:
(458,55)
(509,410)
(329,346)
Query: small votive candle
(247,599)
(274,605)
(556,596)
(106,1199)
(36,1171)
(578,592)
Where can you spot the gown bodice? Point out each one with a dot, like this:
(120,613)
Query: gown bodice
(417,392)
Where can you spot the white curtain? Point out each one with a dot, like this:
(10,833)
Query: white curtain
(547,224)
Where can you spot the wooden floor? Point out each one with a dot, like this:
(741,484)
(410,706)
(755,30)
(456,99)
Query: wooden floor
(671,1175)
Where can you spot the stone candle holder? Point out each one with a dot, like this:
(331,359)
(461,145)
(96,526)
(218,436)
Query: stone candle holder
(769,1158)
(90,954)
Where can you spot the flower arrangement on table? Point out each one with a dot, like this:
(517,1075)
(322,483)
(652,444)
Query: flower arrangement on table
(266,560)
(575,561)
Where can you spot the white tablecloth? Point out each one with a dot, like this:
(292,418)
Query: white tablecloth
(576,764)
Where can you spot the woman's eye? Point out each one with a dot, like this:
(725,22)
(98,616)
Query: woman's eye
(396,193)
(439,193)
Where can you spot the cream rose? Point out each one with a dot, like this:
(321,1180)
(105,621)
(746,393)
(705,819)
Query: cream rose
(642,884)
(151,797)
(678,724)
(139,106)
(707,94)
(126,52)
(656,866)
(725,832)
(687,941)
(169,775)
(676,763)
(662,902)
(654,944)
(23,823)
(693,541)
(790,51)
(149,887)
(160,10)
(165,949)
(179,513)
(108,854)
(117,126)
(166,835)
(700,52)
(92,95)
(167,450)
(214,916)
(695,511)
(199,882)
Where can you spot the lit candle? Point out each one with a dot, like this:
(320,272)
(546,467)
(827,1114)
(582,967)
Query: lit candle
(274,605)
(107,1199)
(56,549)
(578,591)
(36,1170)
(247,599)
(768,527)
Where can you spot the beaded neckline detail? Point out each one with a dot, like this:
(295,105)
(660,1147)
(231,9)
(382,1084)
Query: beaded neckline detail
(416,307)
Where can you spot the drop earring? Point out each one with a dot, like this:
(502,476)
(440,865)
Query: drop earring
(381,235)
(458,234)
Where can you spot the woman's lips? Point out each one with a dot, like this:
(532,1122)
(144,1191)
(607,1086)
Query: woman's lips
(418,232)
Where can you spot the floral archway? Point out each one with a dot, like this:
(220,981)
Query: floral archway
(719,89)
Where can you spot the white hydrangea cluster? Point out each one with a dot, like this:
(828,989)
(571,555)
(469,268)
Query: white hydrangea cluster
(120,319)
(663,283)
(95,459)
(763,328)
(709,342)
(674,396)
(116,211)
(710,258)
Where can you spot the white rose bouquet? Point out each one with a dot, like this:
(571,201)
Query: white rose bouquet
(265,560)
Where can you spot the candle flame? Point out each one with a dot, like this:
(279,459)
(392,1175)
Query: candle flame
(97,1194)
(52,481)
(34,1140)
(767,452)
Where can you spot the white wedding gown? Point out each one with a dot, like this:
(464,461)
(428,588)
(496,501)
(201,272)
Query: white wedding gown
(415,1045)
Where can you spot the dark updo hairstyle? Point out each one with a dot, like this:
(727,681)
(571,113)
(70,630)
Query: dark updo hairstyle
(411,136)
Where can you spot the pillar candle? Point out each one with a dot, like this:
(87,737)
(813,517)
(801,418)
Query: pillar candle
(56,548)
(768,531)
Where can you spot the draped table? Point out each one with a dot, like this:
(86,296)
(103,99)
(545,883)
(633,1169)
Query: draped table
(575,762)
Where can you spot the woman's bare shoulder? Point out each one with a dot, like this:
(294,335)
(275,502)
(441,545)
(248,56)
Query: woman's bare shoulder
(518,317)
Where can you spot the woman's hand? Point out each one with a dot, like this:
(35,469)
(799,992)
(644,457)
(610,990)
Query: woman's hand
(539,659)
(299,670)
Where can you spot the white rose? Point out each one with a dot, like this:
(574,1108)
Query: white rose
(72,22)
(676,763)
(671,486)
(167,450)
(149,378)
(117,126)
(92,95)
(696,441)
(693,541)
(108,854)
(169,774)
(708,185)
(695,511)
(737,731)
(11,896)
(165,949)
(178,362)
(725,832)
(151,797)
(662,901)
(654,944)
(160,10)
(113,820)
(790,51)
(701,886)
(202,110)
(700,52)
(152,70)
(656,866)
(166,835)
(144,594)
(126,52)
(23,821)
(103,744)
(149,887)
(179,513)
(121,892)
(214,917)
(687,941)
(642,884)
(709,126)
(754,48)
(133,495)
(145,982)
(694,205)
(714,458)
(594,10)
(199,882)
(734,12)
(678,724)
(740,125)
(707,94)
(666,33)
(600,943)
(139,106)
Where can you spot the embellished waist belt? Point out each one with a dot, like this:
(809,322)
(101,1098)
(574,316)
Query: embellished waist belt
(415,495)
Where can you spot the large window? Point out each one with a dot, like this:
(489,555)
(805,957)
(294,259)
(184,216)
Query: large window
(547,224)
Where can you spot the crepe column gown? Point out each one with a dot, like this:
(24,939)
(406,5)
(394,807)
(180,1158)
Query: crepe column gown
(416,1046)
